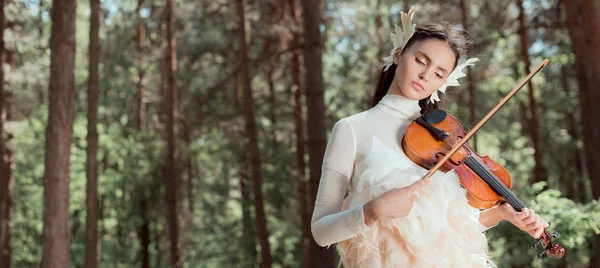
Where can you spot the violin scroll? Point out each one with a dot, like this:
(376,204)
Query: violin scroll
(554,251)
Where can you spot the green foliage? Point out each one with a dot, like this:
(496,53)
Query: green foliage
(217,220)
(126,174)
(575,223)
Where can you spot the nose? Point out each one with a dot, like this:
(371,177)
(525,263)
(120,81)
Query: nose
(424,76)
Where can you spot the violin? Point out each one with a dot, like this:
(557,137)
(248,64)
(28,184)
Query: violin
(436,140)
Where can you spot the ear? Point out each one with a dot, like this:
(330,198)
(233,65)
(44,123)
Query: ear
(397,55)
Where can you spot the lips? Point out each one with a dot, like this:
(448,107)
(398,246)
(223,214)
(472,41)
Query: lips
(418,86)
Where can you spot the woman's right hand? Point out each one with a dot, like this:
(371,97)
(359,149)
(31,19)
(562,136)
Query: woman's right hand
(395,203)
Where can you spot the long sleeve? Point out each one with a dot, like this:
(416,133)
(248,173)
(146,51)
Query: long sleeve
(329,224)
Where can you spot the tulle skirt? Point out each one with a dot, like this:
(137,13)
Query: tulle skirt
(442,229)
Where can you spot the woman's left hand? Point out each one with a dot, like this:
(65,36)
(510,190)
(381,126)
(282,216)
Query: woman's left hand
(526,220)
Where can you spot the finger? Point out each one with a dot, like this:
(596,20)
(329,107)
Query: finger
(538,233)
(523,214)
(536,224)
(532,218)
(508,205)
(415,186)
(422,182)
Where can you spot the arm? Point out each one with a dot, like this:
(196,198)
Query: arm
(492,216)
(329,224)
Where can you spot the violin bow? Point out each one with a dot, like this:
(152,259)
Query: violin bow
(553,251)
(462,141)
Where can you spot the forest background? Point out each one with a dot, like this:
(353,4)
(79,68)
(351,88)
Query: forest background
(191,133)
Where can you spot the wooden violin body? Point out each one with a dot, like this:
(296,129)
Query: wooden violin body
(423,149)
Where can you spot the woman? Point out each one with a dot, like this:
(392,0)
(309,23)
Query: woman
(391,218)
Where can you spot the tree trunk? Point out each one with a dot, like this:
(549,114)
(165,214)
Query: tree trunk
(6,182)
(5,166)
(91,227)
(141,105)
(317,137)
(249,239)
(584,32)
(537,155)
(145,233)
(172,178)
(42,50)
(303,198)
(576,176)
(249,114)
(464,5)
(56,236)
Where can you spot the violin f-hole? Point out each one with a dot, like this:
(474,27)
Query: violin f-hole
(441,155)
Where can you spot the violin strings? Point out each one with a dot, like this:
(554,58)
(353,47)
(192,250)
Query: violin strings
(491,179)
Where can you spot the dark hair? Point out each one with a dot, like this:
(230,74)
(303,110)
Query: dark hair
(457,40)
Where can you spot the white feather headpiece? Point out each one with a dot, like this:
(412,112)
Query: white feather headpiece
(452,79)
(401,37)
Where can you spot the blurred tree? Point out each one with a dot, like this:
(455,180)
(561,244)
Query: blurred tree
(140,40)
(91,227)
(315,102)
(253,150)
(56,237)
(537,154)
(584,30)
(299,127)
(6,179)
(171,171)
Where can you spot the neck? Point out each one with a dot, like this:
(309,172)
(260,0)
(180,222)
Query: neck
(395,89)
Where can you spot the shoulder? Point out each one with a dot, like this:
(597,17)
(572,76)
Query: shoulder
(355,119)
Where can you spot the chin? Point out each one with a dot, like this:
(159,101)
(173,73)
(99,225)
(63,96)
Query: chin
(415,95)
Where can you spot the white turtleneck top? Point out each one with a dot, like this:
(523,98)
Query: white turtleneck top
(364,159)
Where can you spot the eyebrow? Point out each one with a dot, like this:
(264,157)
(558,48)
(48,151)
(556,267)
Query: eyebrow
(428,59)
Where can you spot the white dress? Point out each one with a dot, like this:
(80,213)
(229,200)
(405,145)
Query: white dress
(364,156)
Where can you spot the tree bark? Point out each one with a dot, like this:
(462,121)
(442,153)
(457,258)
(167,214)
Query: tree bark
(42,50)
(251,131)
(537,155)
(56,236)
(317,138)
(172,178)
(584,32)
(303,198)
(141,105)
(92,249)
(5,166)
(249,239)
(145,233)
(576,176)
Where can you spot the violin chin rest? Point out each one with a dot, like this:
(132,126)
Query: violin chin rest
(434,116)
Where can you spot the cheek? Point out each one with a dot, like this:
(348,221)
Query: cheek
(435,86)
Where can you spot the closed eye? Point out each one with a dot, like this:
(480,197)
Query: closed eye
(419,61)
